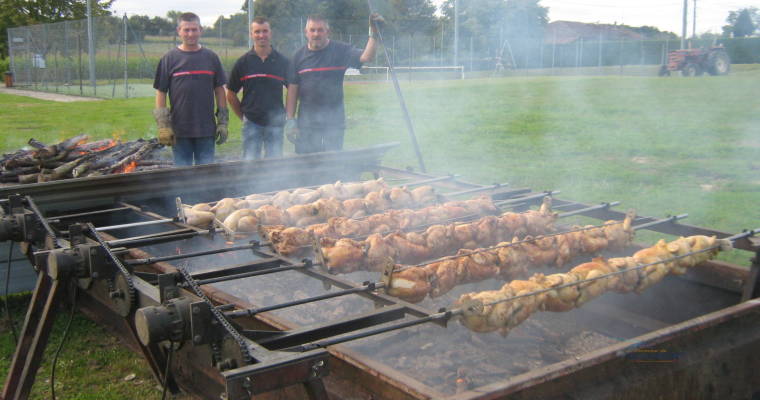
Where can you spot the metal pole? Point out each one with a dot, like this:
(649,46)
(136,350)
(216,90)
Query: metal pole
(250,21)
(694,23)
(91,47)
(126,63)
(456,32)
(400,96)
(683,30)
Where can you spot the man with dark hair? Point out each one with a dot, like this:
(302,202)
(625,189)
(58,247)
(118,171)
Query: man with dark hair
(192,76)
(316,86)
(261,74)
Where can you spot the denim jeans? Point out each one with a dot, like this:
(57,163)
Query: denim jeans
(316,139)
(256,137)
(201,149)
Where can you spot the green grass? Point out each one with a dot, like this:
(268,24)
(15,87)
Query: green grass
(660,145)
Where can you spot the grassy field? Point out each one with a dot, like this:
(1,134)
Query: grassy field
(660,145)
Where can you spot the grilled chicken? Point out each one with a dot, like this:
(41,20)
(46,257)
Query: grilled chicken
(232,221)
(224,208)
(501,310)
(198,217)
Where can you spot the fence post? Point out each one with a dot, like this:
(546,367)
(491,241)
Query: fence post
(600,50)
(554,48)
(126,63)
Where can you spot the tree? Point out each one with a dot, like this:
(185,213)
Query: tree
(742,23)
(14,13)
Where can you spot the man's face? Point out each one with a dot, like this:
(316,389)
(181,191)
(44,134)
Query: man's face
(189,32)
(261,34)
(317,34)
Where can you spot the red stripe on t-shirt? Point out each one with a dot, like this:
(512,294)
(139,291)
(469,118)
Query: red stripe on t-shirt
(321,69)
(183,73)
(279,78)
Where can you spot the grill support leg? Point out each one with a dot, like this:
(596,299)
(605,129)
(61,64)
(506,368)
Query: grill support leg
(33,339)
(752,286)
(315,389)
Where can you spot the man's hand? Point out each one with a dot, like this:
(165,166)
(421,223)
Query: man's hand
(376,22)
(164,122)
(291,130)
(222,119)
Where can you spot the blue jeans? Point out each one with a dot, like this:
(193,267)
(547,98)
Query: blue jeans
(256,137)
(201,149)
(315,139)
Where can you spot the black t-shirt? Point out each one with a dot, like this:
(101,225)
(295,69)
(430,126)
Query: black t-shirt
(319,76)
(190,77)
(262,83)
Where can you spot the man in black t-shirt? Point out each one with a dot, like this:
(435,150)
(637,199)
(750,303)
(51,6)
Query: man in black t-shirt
(261,74)
(316,86)
(192,76)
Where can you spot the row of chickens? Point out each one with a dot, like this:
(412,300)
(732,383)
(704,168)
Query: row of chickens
(507,260)
(293,241)
(499,310)
(376,251)
(243,215)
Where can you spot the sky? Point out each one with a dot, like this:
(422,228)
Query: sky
(666,15)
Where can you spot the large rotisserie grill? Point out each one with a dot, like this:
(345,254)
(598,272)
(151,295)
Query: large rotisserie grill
(241,314)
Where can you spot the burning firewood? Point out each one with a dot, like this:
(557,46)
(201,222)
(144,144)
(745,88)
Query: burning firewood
(503,309)
(73,158)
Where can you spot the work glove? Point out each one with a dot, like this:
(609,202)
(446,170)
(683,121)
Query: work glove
(164,122)
(291,130)
(222,119)
(376,22)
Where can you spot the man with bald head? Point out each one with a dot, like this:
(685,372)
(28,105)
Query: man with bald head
(315,89)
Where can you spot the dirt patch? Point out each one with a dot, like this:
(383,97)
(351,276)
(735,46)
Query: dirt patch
(641,160)
(64,98)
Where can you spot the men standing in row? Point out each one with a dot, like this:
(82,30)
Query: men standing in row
(315,86)
(261,73)
(192,77)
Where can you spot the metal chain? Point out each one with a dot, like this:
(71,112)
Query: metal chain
(218,314)
(122,269)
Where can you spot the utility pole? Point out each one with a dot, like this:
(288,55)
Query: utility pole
(250,21)
(456,32)
(694,23)
(685,20)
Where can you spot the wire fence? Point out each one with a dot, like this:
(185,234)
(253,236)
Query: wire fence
(55,57)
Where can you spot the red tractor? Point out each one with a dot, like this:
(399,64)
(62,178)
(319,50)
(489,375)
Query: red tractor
(695,62)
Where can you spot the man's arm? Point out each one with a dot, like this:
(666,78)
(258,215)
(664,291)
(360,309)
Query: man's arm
(369,51)
(160,99)
(291,101)
(234,103)
(221,99)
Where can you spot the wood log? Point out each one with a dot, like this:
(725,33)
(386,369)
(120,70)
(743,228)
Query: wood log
(70,143)
(140,153)
(36,144)
(81,169)
(29,178)
(65,170)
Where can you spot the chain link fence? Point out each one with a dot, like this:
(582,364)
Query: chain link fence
(55,57)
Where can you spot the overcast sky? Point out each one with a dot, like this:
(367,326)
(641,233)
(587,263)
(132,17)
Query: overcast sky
(663,14)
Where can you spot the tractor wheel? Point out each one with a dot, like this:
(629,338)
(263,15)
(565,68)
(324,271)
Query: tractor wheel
(718,63)
(663,71)
(690,70)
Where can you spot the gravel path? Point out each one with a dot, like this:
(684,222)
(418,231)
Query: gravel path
(65,98)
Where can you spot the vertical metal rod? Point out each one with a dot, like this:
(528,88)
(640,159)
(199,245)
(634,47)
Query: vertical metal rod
(400,96)
(126,63)
(91,47)
(250,21)
(456,32)
(685,18)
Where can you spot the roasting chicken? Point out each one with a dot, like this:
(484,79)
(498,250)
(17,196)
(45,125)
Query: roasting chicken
(232,222)
(501,310)
(393,220)
(198,217)
(511,260)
